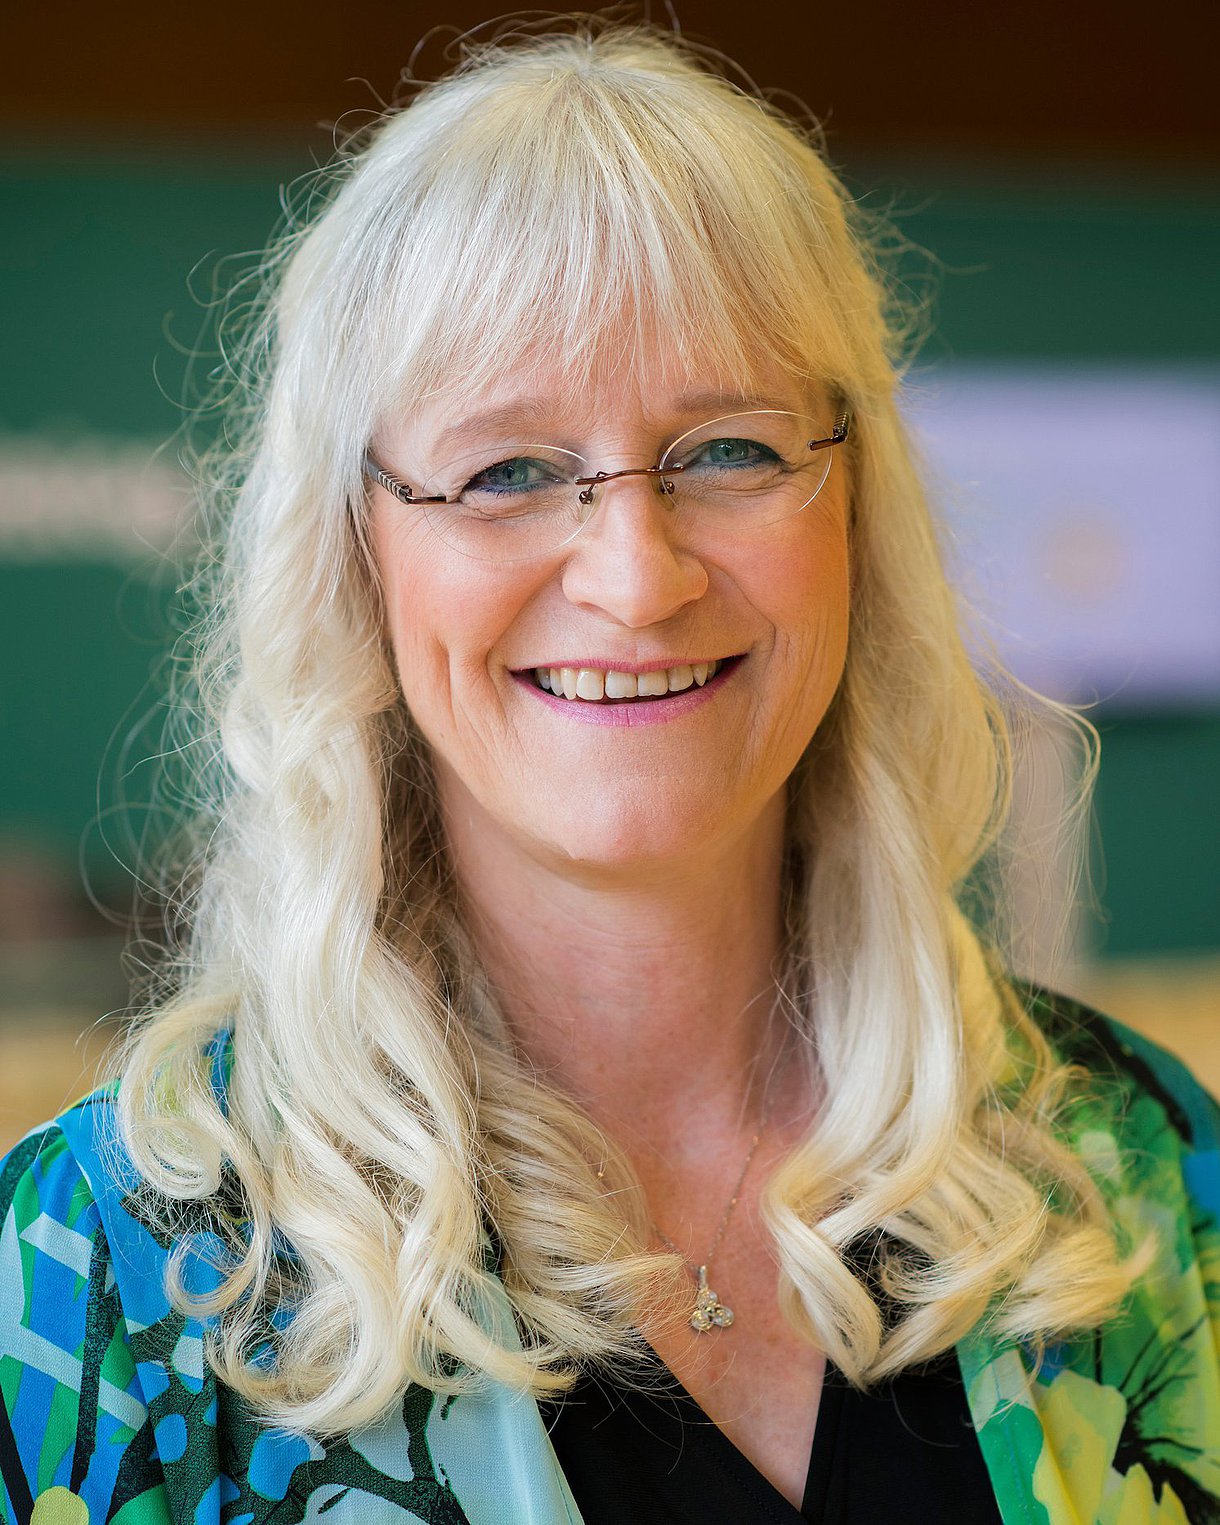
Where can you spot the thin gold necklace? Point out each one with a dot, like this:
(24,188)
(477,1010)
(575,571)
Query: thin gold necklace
(709,1312)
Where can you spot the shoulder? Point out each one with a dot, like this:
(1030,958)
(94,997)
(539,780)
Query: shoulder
(51,1240)
(78,1243)
(106,1396)
(71,1175)
(1148,1132)
(66,1206)
(1137,1076)
(40,1176)
(73,1416)
(73,1184)
(1147,1129)
(1121,1420)
(52,1190)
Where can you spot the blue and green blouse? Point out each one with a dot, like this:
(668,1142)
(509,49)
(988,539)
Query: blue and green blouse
(110,1413)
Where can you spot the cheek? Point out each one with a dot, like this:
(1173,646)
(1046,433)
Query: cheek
(420,616)
(446,618)
(428,599)
(811,616)
(808,595)
(833,598)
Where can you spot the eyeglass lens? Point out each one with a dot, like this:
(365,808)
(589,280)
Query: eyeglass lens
(730,474)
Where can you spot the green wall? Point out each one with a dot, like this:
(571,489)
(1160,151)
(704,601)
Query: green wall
(111,260)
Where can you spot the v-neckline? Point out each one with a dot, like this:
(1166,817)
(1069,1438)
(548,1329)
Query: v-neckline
(729,1455)
(655,1454)
(675,1424)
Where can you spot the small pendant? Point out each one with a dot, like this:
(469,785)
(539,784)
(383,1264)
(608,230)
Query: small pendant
(710,1313)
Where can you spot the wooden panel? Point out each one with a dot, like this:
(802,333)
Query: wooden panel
(1034,80)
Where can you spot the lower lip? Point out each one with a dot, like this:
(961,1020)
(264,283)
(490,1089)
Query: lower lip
(634,712)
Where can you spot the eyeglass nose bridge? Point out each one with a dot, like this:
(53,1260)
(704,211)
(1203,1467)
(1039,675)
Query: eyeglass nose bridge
(662,473)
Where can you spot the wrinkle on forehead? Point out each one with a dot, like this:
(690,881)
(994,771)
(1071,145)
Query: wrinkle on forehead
(669,375)
(544,417)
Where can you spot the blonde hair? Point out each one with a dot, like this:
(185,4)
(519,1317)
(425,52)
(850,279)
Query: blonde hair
(376,1117)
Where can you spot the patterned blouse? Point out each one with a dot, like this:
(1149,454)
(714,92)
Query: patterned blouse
(109,1412)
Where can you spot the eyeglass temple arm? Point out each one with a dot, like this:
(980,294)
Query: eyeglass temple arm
(841,430)
(394,485)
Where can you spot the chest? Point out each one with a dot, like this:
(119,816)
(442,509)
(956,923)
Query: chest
(758,1380)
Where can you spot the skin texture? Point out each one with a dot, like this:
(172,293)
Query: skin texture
(623,883)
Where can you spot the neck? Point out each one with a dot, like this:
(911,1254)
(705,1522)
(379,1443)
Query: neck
(645,995)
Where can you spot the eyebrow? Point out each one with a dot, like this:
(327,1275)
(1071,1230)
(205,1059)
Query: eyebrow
(532,412)
(707,403)
(512,415)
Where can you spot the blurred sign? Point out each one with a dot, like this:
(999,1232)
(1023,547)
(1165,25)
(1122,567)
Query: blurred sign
(1083,517)
(87,498)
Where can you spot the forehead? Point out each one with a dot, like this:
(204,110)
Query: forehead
(544,393)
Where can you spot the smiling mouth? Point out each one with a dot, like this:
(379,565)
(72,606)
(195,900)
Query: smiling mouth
(594,685)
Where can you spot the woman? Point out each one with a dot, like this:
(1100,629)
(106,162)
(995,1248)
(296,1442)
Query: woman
(581,1096)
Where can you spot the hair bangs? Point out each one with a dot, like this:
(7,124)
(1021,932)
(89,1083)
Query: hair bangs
(585,229)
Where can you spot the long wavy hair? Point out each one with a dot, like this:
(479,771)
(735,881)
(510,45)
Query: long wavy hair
(375,1118)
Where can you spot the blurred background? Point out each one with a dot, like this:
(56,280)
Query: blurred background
(1060,166)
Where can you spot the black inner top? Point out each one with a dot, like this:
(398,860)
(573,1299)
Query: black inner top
(906,1450)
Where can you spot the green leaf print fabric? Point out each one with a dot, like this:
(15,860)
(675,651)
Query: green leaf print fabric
(108,1411)
(1121,1426)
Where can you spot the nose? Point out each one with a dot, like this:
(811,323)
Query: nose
(627,562)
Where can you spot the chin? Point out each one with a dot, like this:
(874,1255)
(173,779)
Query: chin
(619,841)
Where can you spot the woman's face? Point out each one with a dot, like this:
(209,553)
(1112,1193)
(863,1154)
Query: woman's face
(627,784)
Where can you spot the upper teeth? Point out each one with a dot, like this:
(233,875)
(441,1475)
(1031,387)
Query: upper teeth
(596,683)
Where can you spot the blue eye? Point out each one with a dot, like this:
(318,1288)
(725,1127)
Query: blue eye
(732,453)
(517,474)
(518,487)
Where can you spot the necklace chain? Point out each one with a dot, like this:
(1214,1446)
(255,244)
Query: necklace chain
(722,1226)
(709,1312)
